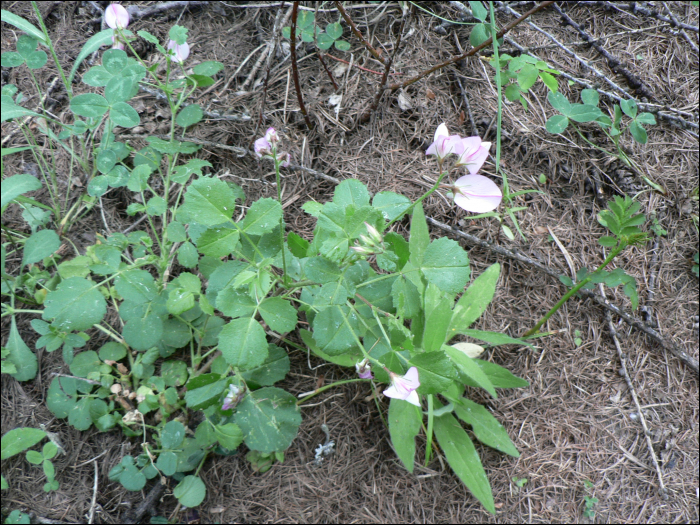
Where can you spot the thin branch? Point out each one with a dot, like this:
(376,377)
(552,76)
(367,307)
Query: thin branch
(633,392)
(634,7)
(613,63)
(472,51)
(357,32)
(295,69)
(677,23)
(387,67)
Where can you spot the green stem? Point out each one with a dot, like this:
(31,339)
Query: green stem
(429,432)
(278,162)
(49,44)
(494,33)
(571,292)
(431,190)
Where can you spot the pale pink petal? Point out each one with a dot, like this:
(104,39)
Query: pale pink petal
(477,194)
(413,398)
(441,131)
(262,147)
(116,16)
(474,154)
(180,52)
(411,378)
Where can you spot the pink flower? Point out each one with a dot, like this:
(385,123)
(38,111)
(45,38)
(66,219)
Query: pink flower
(262,147)
(363,369)
(232,398)
(180,52)
(271,136)
(474,154)
(477,194)
(116,16)
(404,387)
(444,144)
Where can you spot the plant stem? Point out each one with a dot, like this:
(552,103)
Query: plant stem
(324,388)
(571,292)
(278,162)
(431,190)
(295,70)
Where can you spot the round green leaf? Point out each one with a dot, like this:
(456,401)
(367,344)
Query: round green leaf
(114,60)
(106,159)
(557,124)
(97,76)
(37,60)
(112,351)
(478,35)
(173,434)
(269,419)
(190,491)
(19,439)
(243,344)
(208,68)
(26,45)
(11,59)
(89,105)
(334,30)
(142,334)
(132,479)
(189,115)
(118,89)
(85,363)
(446,265)
(167,463)
(122,114)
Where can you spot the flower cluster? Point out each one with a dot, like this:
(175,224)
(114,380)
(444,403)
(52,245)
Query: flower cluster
(233,397)
(117,17)
(369,244)
(266,147)
(473,192)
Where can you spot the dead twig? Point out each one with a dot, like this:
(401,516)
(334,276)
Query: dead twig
(295,70)
(635,7)
(387,66)
(93,505)
(472,51)
(682,31)
(613,63)
(633,392)
(358,34)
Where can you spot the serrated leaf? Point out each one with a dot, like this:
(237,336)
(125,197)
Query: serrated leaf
(392,205)
(269,419)
(138,286)
(332,334)
(76,304)
(279,314)
(463,458)
(209,201)
(262,217)
(242,343)
(527,76)
(435,370)
(273,369)
(144,333)
(446,264)
(351,191)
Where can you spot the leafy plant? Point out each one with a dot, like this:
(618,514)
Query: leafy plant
(590,503)
(577,338)
(310,32)
(623,221)
(696,267)
(18,440)
(197,292)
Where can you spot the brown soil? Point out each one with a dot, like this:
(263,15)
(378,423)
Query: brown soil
(576,422)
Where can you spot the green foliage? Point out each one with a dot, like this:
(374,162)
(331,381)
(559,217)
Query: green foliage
(588,111)
(522,72)
(196,340)
(18,440)
(308,31)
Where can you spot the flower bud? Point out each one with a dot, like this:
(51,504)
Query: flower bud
(363,369)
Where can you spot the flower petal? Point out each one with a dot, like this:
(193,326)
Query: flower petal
(413,398)
(116,16)
(441,131)
(477,194)
(411,378)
